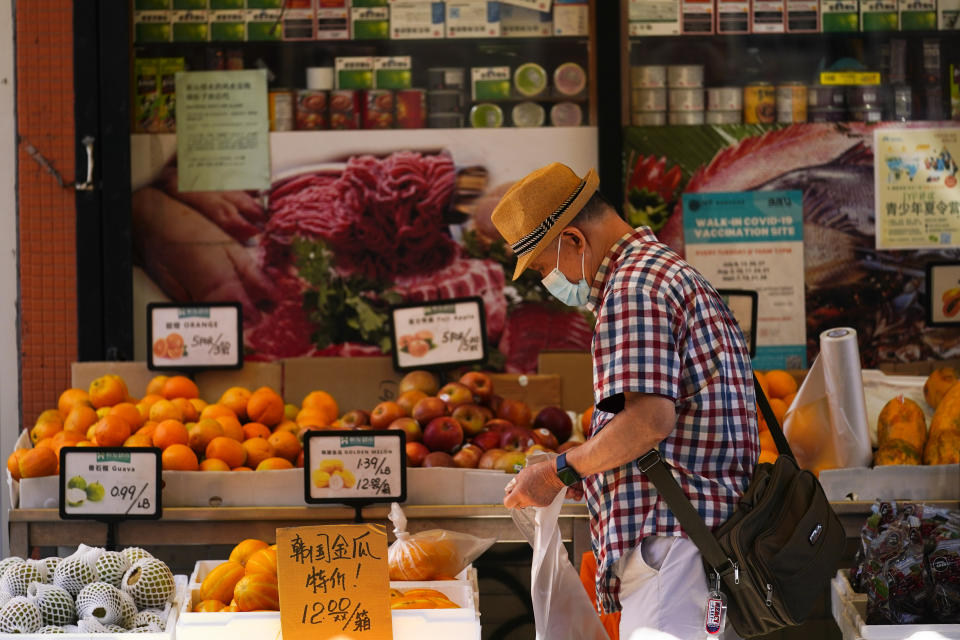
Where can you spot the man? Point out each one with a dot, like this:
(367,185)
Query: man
(671,372)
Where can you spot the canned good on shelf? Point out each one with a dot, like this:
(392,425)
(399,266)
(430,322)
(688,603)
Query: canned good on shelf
(411,108)
(685,76)
(447,78)
(378,109)
(486,114)
(649,99)
(791,102)
(280,109)
(569,79)
(870,95)
(902,102)
(344,109)
(648,118)
(445,101)
(445,120)
(312,109)
(822,95)
(759,103)
(528,114)
(686,99)
(686,117)
(530,79)
(724,117)
(566,114)
(648,77)
(725,99)
(826,114)
(866,114)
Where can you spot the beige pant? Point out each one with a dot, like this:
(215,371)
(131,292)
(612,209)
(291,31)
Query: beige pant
(663,590)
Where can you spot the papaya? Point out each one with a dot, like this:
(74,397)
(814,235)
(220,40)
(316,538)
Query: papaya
(902,419)
(947,415)
(943,448)
(937,385)
(896,452)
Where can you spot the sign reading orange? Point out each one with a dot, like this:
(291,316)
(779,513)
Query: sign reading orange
(334,582)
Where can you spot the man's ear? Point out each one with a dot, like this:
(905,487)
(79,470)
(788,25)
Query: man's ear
(576,236)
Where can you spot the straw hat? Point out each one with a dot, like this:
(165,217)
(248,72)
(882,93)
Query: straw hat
(537,208)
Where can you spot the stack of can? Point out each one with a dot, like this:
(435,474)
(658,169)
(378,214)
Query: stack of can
(826,103)
(865,103)
(446,97)
(648,95)
(685,94)
(791,102)
(724,105)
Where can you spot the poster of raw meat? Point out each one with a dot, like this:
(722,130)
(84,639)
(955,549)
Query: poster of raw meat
(353,223)
(918,196)
(847,281)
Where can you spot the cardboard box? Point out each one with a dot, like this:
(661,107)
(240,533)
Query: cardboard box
(392,72)
(697,17)
(879,15)
(353,72)
(228,26)
(733,16)
(372,23)
(490,83)
(333,24)
(840,16)
(299,24)
(803,16)
(417,20)
(575,369)
(768,16)
(151,26)
(571,19)
(654,17)
(264,25)
(948,15)
(473,19)
(518,22)
(190,26)
(356,383)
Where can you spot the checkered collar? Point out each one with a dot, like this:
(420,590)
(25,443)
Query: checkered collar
(610,262)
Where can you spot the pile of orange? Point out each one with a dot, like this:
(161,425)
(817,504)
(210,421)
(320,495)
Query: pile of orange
(780,388)
(243,431)
(245,582)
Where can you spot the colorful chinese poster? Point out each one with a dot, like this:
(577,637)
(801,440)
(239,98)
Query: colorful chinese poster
(754,241)
(918,200)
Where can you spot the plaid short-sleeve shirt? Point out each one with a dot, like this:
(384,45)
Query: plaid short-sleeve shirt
(662,329)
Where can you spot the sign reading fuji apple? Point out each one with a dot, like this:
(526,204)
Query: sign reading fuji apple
(442,334)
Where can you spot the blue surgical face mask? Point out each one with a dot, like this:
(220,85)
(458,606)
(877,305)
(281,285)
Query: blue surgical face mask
(574,295)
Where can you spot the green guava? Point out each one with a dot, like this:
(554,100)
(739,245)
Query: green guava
(76,482)
(75,497)
(95,492)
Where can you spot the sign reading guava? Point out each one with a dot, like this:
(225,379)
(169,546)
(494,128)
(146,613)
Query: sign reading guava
(110,483)
(355,467)
(194,336)
(442,334)
(334,582)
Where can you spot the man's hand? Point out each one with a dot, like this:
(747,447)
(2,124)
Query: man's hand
(535,486)
(236,212)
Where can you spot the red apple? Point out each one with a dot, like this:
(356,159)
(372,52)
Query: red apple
(355,418)
(422,380)
(385,413)
(455,394)
(408,399)
(511,461)
(497,424)
(410,426)
(545,437)
(515,411)
(487,413)
(487,439)
(556,420)
(468,457)
(489,458)
(516,438)
(443,434)
(566,446)
(427,409)
(470,418)
(416,453)
(479,383)
(439,459)
(494,402)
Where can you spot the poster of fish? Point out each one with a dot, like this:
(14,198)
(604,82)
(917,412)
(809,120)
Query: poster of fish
(353,223)
(847,280)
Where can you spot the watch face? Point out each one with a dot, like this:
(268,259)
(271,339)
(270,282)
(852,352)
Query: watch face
(568,476)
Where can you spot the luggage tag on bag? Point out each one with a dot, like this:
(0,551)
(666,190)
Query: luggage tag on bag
(716,609)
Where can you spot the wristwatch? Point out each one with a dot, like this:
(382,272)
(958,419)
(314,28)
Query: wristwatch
(567,474)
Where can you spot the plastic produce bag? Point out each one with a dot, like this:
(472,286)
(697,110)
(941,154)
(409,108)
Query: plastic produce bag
(561,608)
(436,554)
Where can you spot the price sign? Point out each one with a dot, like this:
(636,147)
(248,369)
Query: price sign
(110,483)
(194,336)
(850,77)
(334,582)
(355,467)
(445,333)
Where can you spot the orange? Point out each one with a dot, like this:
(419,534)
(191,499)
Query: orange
(150,399)
(312,418)
(585,419)
(128,412)
(299,463)
(107,391)
(179,457)
(258,450)
(287,425)
(44,430)
(286,444)
(242,468)
(169,433)
(768,456)
(762,422)
(13,463)
(766,442)
(50,415)
(147,429)
(231,428)
(214,464)
(187,410)
(255,430)
(72,398)
(199,404)
(80,418)
(165,410)
(216,411)
(102,411)
(781,383)
(138,440)
(84,443)
(274,463)
(38,462)
(324,402)
(180,387)
(228,450)
(265,405)
(155,386)
(246,548)
(202,433)
(788,399)
(65,439)
(779,409)
(290,411)
(762,379)
(111,431)
(46,442)
(235,399)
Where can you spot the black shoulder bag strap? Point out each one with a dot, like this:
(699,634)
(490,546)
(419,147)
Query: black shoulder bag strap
(658,472)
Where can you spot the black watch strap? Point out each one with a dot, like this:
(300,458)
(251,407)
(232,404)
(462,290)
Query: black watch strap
(567,474)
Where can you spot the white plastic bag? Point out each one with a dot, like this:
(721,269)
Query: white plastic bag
(561,608)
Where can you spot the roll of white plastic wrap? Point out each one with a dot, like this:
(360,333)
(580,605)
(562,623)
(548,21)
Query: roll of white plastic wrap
(848,406)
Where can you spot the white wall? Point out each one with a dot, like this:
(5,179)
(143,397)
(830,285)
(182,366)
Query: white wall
(9,300)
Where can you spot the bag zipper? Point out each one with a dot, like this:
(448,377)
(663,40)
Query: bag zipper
(769,595)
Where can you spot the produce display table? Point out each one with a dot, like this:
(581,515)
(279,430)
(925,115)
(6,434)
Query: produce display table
(225,525)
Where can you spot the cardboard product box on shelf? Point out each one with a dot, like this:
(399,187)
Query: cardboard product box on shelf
(575,369)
